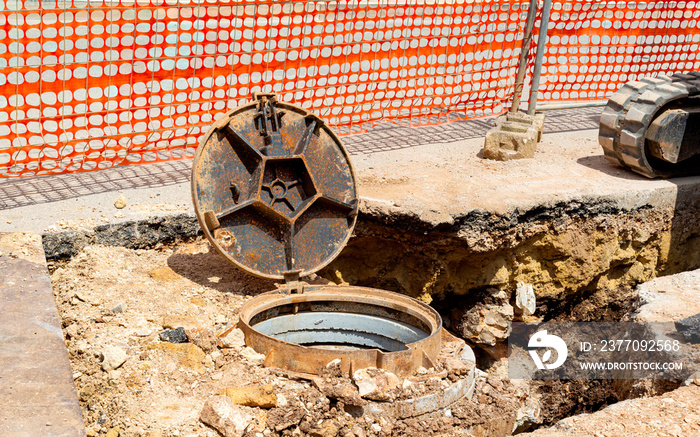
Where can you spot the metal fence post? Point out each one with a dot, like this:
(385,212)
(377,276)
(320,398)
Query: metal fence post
(524,51)
(541,47)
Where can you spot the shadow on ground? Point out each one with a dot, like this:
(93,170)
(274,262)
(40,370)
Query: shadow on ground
(208,268)
(600,163)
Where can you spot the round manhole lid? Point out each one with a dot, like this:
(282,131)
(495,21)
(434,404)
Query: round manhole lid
(274,190)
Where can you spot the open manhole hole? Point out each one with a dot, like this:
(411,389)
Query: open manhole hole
(362,327)
(275,194)
(356,324)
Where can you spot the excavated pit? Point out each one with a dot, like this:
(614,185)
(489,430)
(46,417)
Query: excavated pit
(494,395)
(115,297)
(582,259)
(559,399)
(562,249)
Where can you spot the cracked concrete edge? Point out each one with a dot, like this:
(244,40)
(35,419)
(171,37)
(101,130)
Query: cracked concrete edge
(147,233)
(482,220)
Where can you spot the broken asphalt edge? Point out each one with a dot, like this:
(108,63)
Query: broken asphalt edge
(173,229)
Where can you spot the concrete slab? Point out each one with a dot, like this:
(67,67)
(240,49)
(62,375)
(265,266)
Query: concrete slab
(37,394)
(85,200)
(436,174)
(453,179)
(669,298)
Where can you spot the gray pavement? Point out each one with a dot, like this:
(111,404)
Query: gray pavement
(37,394)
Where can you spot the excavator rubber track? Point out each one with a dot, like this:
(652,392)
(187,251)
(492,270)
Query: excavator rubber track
(630,111)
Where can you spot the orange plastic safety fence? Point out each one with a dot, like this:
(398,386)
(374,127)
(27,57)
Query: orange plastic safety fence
(89,84)
(92,84)
(595,47)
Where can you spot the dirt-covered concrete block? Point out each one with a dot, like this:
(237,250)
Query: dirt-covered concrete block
(510,140)
(536,121)
(515,136)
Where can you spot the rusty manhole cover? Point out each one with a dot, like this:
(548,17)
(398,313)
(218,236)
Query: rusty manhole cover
(275,193)
(274,190)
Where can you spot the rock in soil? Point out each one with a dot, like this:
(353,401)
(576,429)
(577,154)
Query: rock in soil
(376,384)
(254,358)
(326,429)
(689,328)
(175,321)
(525,301)
(203,338)
(262,396)
(229,419)
(177,335)
(285,417)
(235,340)
(487,322)
(112,358)
(340,389)
(187,354)
(119,308)
(456,366)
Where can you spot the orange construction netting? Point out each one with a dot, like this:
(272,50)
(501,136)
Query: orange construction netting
(595,47)
(90,84)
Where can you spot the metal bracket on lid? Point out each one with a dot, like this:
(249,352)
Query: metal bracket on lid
(292,284)
(268,120)
(272,97)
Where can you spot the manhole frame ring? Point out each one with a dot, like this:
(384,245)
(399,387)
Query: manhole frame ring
(312,360)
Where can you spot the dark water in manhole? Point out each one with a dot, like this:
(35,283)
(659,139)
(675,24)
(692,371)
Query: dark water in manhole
(339,347)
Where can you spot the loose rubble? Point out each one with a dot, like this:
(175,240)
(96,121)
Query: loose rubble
(177,335)
(120,202)
(229,419)
(112,358)
(689,328)
(487,322)
(376,384)
(254,358)
(262,396)
(132,381)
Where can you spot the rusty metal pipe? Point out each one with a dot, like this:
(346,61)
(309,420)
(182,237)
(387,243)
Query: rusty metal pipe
(541,48)
(524,52)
